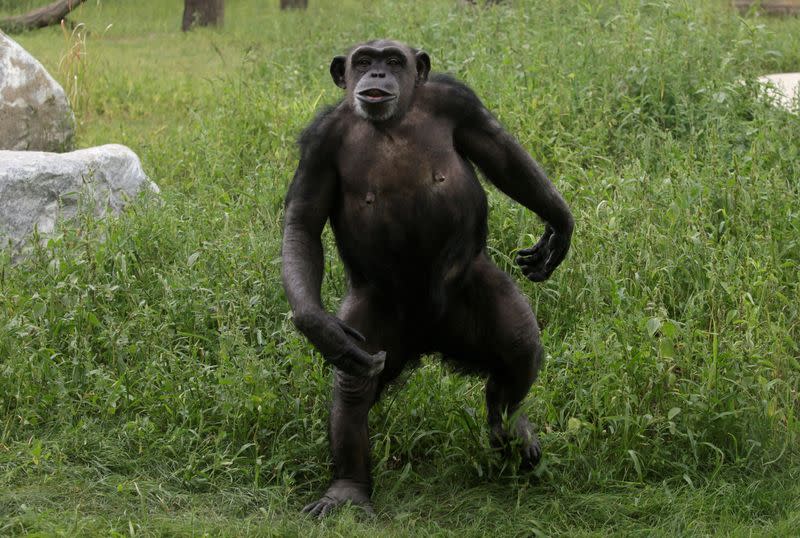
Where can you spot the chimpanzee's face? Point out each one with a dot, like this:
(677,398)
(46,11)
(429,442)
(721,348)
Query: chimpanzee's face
(380,78)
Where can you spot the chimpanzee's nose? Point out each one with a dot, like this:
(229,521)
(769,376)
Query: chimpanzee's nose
(378,74)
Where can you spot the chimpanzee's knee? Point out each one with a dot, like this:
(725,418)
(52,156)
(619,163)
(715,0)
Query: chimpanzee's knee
(354,393)
(523,355)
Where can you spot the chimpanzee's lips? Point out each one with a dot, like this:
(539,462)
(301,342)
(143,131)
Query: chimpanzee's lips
(375,95)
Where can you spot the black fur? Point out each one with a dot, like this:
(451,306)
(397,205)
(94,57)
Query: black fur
(391,168)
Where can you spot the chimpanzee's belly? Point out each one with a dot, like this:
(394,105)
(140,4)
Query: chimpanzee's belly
(411,227)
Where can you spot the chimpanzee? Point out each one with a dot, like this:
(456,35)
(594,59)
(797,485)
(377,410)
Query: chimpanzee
(391,166)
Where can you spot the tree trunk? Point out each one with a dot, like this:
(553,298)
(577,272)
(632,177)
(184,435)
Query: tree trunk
(202,13)
(294,4)
(39,18)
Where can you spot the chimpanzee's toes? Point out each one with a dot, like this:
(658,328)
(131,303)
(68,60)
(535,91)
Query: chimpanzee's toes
(521,439)
(530,449)
(531,453)
(340,492)
(320,508)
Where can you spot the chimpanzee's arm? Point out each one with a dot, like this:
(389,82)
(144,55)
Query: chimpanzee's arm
(480,138)
(308,205)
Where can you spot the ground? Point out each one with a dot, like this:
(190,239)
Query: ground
(152,384)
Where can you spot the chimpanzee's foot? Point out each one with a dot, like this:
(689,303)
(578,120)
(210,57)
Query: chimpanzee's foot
(519,437)
(339,492)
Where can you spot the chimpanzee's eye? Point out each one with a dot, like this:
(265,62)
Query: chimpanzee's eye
(363,62)
(394,60)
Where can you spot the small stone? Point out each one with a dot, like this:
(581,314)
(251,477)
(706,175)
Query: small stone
(439,177)
(370,198)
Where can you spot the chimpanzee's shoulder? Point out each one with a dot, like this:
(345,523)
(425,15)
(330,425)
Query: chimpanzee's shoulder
(445,89)
(324,131)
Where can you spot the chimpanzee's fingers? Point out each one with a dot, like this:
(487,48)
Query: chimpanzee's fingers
(351,331)
(359,363)
(537,276)
(530,250)
(531,266)
(538,252)
(534,249)
(541,271)
(378,362)
(349,365)
(533,258)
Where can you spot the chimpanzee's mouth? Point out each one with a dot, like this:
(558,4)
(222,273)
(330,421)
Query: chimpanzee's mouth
(375,95)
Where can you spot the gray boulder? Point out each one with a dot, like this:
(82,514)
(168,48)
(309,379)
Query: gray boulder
(34,111)
(39,189)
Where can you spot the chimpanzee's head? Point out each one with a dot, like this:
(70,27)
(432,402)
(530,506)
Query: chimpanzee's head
(380,77)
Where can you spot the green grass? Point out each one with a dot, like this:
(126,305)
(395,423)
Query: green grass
(151,383)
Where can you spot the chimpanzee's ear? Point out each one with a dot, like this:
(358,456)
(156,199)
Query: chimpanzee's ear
(423,67)
(338,66)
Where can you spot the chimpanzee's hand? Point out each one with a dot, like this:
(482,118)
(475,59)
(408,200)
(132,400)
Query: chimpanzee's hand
(358,362)
(539,261)
(337,343)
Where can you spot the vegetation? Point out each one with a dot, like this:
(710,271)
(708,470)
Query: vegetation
(151,382)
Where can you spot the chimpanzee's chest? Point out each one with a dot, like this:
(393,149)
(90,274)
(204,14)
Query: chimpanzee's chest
(408,203)
(414,165)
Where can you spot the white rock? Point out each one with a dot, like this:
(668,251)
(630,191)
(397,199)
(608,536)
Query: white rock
(784,88)
(34,111)
(38,189)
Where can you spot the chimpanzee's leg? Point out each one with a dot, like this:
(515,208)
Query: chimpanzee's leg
(352,399)
(490,328)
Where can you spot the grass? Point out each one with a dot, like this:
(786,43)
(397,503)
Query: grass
(151,383)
